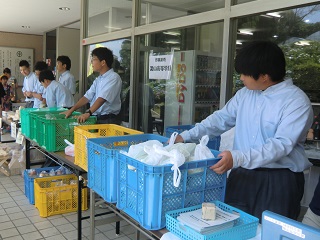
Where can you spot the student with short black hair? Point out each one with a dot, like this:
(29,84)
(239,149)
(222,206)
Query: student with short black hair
(104,93)
(30,82)
(66,78)
(271,117)
(56,94)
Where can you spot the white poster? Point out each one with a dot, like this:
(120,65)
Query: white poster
(160,66)
(10,58)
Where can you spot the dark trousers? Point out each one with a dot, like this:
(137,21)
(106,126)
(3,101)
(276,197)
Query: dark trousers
(112,120)
(257,190)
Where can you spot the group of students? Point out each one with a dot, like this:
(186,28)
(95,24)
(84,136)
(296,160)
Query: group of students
(40,87)
(103,95)
(270,114)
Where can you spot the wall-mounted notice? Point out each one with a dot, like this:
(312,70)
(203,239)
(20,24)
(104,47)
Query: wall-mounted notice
(10,58)
(160,66)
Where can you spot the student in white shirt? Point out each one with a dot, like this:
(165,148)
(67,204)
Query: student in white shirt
(66,78)
(39,89)
(271,117)
(56,94)
(104,93)
(29,83)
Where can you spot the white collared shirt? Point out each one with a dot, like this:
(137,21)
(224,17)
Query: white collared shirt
(57,95)
(30,84)
(107,86)
(67,79)
(270,127)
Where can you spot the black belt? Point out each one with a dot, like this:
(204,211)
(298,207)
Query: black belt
(106,116)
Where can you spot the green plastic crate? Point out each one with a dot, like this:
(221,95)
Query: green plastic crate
(52,132)
(25,115)
(34,116)
(39,127)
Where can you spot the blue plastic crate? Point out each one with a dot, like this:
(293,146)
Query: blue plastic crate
(102,164)
(29,181)
(277,227)
(147,192)
(244,227)
(214,143)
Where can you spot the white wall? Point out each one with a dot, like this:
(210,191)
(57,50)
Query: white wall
(68,43)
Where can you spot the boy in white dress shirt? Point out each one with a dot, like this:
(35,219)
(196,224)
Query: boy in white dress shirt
(56,94)
(66,78)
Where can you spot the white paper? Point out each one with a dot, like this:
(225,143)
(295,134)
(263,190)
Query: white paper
(194,220)
(160,66)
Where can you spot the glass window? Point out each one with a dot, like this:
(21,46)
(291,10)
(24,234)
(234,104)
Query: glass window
(121,51)
(297,32)
(108,16)
(179,76)
(159,10)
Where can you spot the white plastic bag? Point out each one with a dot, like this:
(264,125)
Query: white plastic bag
(202,151)
(69,150)
(177,159)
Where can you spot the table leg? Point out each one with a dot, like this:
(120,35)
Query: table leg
(80,185)
(27,154)
(92,214)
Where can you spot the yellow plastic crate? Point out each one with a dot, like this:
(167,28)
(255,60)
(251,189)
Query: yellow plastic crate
(82,133)
(55,195)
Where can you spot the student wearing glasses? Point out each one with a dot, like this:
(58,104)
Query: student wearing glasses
(104,93)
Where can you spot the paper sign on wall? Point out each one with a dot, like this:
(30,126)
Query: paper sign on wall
(160,66)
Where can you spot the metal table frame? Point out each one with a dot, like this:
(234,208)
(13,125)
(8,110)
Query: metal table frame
(67,162)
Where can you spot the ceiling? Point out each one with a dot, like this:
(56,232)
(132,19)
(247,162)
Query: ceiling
(40,15)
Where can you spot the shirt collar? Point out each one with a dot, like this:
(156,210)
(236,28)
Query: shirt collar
(277,87)
(107,73)
(30,74)
(64,73)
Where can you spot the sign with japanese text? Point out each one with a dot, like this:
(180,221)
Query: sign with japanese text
(160,66)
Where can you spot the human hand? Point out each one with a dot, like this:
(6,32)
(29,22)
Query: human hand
(225,164)
(179,139)
(83,117)
(67,113)
(29,94)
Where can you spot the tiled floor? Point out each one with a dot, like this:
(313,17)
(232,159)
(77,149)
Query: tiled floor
(20,220)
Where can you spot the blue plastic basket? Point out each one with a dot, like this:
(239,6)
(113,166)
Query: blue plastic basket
(102,164)
(244,227)
(147,192)
(277,227)
(29,181)
(214,143)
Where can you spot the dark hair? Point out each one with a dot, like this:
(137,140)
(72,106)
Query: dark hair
(46,74)
(24,63)
(104,53)
(65,60)
(4,77)
(7,70)
(40,65)
(261,57)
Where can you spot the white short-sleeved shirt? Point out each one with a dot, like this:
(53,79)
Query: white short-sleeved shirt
(30,85)
(57,95)
(67,79)
(107,86)
(38,89)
